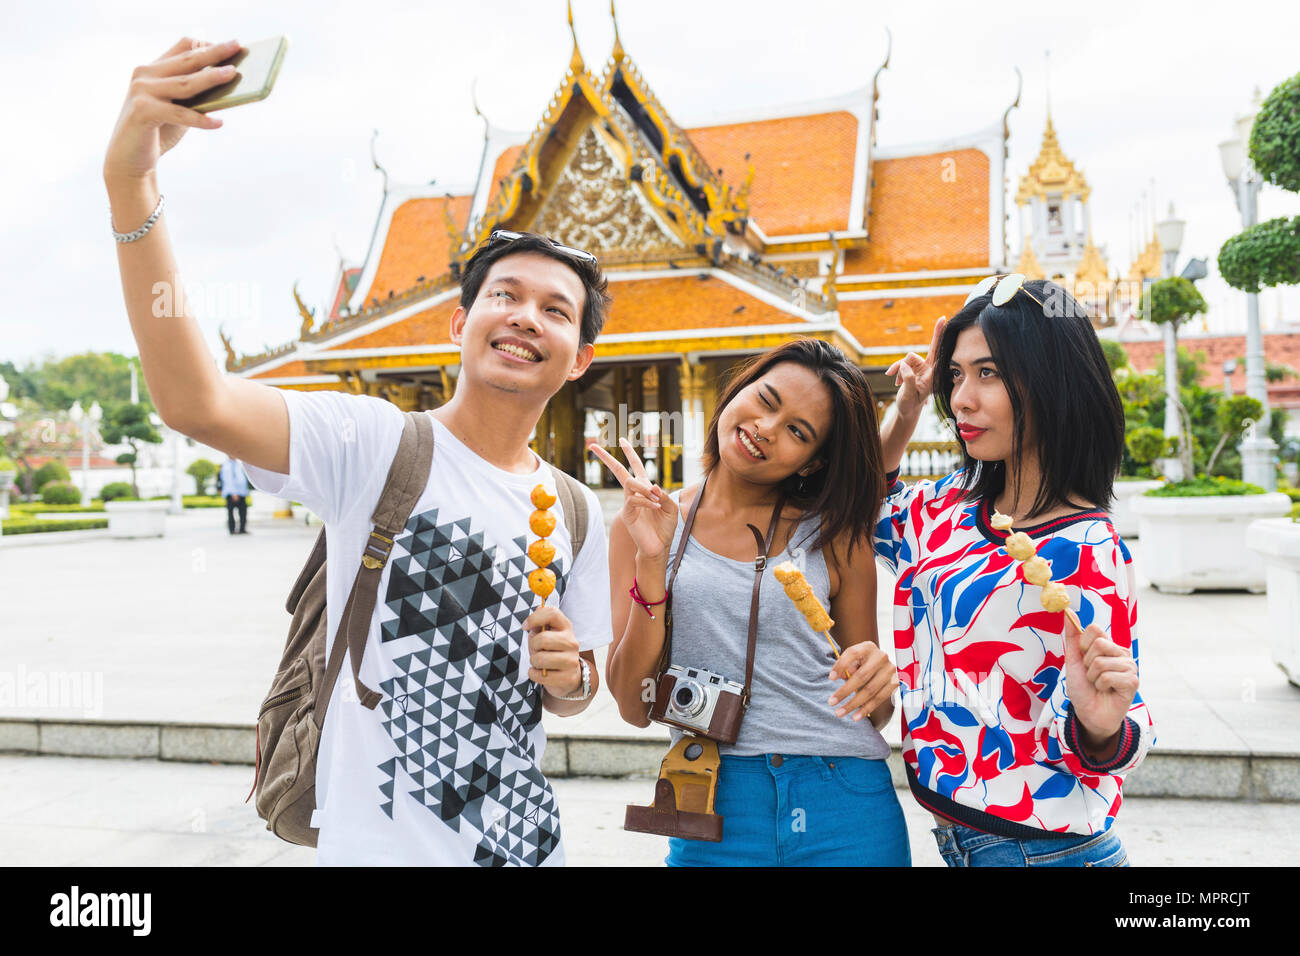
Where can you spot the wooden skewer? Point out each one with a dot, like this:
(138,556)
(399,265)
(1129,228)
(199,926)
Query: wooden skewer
(834,650)
(1074,619)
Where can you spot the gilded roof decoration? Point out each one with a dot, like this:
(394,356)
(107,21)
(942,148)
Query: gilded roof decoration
(308,316)
(1147,265)
(1052,172)
(1092,267)
(1028,265)
(591,205)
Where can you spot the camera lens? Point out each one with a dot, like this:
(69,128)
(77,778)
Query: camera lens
(688,698)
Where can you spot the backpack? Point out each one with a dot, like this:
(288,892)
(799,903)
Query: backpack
(292,716)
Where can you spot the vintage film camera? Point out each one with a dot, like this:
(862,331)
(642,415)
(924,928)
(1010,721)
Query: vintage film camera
(701,702)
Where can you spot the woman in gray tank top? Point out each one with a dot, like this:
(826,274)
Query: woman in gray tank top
(805,782)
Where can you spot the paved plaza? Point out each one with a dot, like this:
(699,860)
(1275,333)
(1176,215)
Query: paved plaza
(165,648)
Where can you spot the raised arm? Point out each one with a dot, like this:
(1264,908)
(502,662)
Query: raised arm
(639,542)
(914,376)
(246,420)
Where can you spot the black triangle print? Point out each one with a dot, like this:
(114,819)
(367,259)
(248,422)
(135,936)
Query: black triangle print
(402,585)
(413,620)
(462,645)
(450,610)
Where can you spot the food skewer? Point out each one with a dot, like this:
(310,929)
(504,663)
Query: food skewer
(541,522)
(1037,570)
(798,590)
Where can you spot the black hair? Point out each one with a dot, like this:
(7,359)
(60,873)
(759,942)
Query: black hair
(847,491)
(1066,408)
(596,298)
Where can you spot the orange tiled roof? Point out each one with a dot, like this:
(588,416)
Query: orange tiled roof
(877,323)
(505,162)
(430,327)
(283,371)
(920,220)
(669,304)
(640,305)
(803,168)
(416,244)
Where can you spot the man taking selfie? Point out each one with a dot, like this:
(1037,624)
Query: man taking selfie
(447,768)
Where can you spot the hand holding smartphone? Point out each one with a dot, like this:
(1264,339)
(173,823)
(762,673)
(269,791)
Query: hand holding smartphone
(257,67)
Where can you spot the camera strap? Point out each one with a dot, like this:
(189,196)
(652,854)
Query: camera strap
(760,565)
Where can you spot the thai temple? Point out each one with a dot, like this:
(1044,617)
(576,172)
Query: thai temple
(1056,240)
(719,241)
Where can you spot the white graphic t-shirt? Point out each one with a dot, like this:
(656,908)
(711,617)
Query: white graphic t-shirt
(447,768)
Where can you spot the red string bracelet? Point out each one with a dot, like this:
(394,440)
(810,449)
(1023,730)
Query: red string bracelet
(635,592)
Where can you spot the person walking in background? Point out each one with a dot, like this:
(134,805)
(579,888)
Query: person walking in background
(233,483)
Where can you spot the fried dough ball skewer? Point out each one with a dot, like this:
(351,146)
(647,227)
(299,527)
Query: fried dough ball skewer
(797,590)
(1037,570)
(541,522)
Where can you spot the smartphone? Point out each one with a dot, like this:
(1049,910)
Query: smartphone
(257,67)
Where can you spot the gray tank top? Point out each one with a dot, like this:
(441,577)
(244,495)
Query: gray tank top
(788,712)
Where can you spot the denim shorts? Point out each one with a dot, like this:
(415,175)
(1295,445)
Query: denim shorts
(962,846)
(780,810)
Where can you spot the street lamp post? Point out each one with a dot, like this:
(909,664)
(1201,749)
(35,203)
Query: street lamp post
(1170,234)
(1258,451)
(176,505)
(85,421)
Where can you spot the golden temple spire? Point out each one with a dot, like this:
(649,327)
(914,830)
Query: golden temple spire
(1028,265)
(576,64)
(1053,171)
(1092,267)
(618,54)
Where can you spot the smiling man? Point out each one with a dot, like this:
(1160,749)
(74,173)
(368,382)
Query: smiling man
(447,768)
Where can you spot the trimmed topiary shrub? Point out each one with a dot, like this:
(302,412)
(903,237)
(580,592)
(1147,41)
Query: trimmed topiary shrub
(114,490)
(50,471)
(60,493)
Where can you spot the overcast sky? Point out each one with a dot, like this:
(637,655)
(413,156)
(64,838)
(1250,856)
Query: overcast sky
(1138,93)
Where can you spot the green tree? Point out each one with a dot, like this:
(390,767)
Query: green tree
(91,376)
(1268,254)
(1172,302)
(1275,137)
(202,470)
(1230,417)
(1116,357)
(130,424)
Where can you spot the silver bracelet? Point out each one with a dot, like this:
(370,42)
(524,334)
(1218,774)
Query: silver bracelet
(586,684)
(139,233)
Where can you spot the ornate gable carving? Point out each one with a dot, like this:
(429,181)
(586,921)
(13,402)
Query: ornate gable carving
(593,206)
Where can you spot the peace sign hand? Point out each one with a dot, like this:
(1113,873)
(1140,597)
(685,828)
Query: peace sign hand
(915,375)
(649,515)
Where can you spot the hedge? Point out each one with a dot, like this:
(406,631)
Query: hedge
(26,525)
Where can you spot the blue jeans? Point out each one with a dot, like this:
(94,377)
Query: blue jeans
(802,811)
(962,846)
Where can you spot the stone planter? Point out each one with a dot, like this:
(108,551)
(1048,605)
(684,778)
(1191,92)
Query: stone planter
(136,519)
(1122,515)
(1191,543)
(1278,541)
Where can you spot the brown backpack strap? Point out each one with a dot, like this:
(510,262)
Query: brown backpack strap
(309,569)
(407,477)
(574,505)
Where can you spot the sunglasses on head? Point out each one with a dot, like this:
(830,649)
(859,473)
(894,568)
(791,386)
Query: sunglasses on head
(503,235)
(1004,289)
